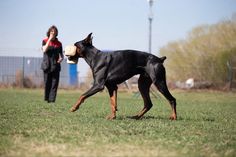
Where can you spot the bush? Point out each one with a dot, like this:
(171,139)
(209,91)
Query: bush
(23,81)
(203,55)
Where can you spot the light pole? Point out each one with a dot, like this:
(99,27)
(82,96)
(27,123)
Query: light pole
(150,18)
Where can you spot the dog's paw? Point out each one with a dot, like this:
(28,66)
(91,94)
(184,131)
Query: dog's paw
(173,117)
(111,117)
(73,109)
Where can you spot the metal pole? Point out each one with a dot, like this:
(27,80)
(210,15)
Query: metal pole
(23,72)
(150,18)
(150,36)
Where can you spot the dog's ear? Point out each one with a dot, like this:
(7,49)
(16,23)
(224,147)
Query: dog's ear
(88,39)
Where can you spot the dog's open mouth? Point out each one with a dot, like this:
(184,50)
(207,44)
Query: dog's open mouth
(70,52)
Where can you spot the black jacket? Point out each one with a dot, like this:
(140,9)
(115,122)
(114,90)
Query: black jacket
(51,56)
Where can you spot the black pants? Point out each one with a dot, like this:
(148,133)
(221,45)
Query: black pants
(51,81)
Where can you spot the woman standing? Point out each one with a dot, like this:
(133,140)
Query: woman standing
(52,57)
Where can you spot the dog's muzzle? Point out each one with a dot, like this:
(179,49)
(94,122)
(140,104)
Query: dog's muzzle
(70,52)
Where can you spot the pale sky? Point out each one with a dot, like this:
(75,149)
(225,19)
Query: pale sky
(116,24)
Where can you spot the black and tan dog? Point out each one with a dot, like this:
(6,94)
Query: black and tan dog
(113,68)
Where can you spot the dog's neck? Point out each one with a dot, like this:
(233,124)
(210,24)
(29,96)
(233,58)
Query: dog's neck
(90,55)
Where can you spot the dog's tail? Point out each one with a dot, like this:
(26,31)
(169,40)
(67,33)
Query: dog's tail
(163,59)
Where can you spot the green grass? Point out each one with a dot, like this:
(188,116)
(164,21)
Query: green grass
(206,125)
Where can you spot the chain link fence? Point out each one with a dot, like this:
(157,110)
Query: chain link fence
(26,72)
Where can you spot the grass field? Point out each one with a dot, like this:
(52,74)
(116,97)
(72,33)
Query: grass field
(206,125)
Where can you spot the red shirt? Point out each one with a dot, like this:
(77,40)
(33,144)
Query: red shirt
(52,54)
(55,43)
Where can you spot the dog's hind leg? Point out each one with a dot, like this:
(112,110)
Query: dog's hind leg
(162,87)
(113,99)
(144,84)
(160,83)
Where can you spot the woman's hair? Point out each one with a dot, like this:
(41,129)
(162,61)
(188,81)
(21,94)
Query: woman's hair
(51,28)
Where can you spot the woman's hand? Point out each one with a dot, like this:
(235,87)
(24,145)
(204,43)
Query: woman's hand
(60,60)
(51,36)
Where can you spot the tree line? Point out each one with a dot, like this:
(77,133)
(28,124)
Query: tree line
(204,54)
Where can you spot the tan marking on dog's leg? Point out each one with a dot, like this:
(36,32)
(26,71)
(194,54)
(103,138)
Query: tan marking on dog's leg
(140,115)
(113,101)
(174,114)
(79,102)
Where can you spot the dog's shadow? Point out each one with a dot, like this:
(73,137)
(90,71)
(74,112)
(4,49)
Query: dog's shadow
(209,119)
(142,118)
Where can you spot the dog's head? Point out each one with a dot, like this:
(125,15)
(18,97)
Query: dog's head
(76,51)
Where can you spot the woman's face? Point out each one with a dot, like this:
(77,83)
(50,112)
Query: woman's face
(53,33)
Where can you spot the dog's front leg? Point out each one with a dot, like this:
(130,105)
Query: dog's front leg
(96,88)
(112,89)
(78,103)
(113,99)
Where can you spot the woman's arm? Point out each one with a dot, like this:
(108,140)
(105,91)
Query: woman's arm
(61,56)
(45,47)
